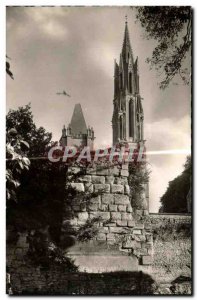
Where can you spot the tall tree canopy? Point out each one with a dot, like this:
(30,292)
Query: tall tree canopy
(171,27)
(21,120)
(175,198)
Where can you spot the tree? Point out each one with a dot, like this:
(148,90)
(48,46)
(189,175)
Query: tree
(175,198)
(171,27)
(38,138)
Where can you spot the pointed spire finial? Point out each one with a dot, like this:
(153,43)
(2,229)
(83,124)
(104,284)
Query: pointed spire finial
(126,19)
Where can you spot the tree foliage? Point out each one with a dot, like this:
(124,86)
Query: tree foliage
(175,198)
(37,137)
(171,27)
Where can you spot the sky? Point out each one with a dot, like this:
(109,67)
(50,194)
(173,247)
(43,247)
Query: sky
(73,49)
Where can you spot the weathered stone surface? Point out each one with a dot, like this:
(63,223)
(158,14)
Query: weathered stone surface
(83,216)
(98,179)
(102,171)
(102,215)
(96,200)
(121,180)
(127,189)
(78,186)
(103,207)
(140,238)
(85,178)
(115,216)
(109,179)
(121,199)
(101,237)
(140,251)
(93,207)
(114,171)
(139,226)
(111,236)
(129,208)
(129,244)
(125,166)
(122,208)
(110,224)
(76,208)
(107,199)
(105,188)
(124,173)
(135,231)
(112,207)
(91,171)
(131,223)
(89,187)
(104,229)
(126,216)
(121,223)
(147,260)
(117,188)
(120,230)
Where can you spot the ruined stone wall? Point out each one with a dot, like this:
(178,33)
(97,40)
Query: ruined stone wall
(172,244)
(121,223)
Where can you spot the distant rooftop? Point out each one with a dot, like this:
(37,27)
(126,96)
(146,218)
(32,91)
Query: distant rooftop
(78,124)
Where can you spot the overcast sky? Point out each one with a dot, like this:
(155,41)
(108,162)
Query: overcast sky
(56,48)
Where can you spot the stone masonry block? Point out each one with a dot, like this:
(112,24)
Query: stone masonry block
(126,216)
(127,189)
(85,178)
(112,207)
(122,208)
(103,207)
(129,208)
(129,244)
(114,171)
(83,216)
(115,216)
(121,223)
(140,238)
(98,179)
(101,237)
(91,171)
(76,208)
(136,231)
(140,252)
(104,229)
(111,236)
(96,200)
(107,199)
(124,173)
(89,187)
(125,166)
(105,188)
(78,186)
(101,215)
(147,260)
(92,207)
(119,230)
(121,199)
(121,180)
(109,179)
(117,189)
(102,171)
(131,223)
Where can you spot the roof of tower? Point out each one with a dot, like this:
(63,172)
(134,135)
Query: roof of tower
(78,124)
(126,42)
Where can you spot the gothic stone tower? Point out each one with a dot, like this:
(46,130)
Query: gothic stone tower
(127,120)
(77,133)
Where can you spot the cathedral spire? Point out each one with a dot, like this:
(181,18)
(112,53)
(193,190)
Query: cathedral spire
(126,48)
